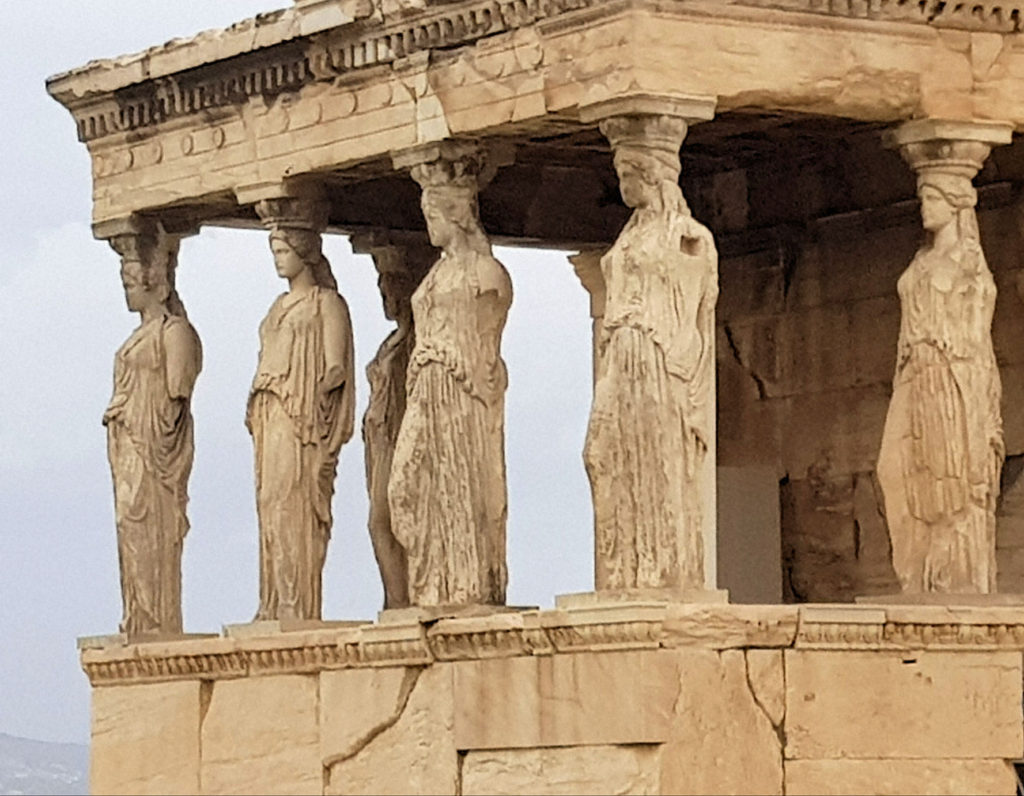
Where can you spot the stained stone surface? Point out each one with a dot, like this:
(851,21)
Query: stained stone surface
(414,752)
(633,769)
(145,738)
(261,735)
(897,777)
(885,699)
(776,699)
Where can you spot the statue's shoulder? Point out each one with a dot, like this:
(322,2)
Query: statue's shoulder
(180,335)
(332,305)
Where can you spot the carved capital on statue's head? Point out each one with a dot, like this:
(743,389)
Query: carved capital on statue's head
(948,154)
(651,141)
(455,165)
(401,260)
(288,212)
(150,253)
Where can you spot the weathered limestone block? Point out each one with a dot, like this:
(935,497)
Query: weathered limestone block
(356,705)
(723,738)
(563,770)
(851,704)
(565,700)
(145,738)
(261,735)
(766,677)
(413,752)
(729,626)
(885,777)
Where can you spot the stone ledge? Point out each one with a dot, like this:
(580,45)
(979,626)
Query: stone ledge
(532,632)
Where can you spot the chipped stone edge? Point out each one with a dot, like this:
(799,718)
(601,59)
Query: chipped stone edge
(551,632)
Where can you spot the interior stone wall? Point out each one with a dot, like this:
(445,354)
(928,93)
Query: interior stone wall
(808,322)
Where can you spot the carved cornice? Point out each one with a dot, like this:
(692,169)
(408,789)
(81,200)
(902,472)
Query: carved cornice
(291,65)
(287,66)
(563,631)
(990,15)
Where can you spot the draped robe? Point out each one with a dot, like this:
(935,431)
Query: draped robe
(650,423)
(447,492)
(297,431)
(150,448)
(942,446)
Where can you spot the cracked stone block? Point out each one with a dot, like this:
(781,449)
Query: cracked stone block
(885,704)
(356,705)
(565,770)
(722,738)
(898,777)
(565,700)
(145,738)
(767,682)
(414,752)
(261,735)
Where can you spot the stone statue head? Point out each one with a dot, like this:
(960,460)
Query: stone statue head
(948,198)
(450,197)
(296,249)
(646,148)
(148,262)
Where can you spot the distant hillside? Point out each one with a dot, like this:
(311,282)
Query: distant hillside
(37,767)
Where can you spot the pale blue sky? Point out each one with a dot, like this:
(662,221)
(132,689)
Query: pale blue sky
(62,317)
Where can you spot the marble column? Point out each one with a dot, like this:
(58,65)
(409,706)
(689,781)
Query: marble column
(402,260)
(149,430)
(650,448)
(942,447)
(300,411)
(447,493)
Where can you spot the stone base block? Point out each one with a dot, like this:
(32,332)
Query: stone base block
(624,697)
(271,627)
(123,639)
(898,777)
(594,599)
(432,613)
(145,738)
(946,600)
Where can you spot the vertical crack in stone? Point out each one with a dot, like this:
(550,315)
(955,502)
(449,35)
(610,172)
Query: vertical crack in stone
(762,392)
(409,680)
(205,695)
(779,728)
(460,761)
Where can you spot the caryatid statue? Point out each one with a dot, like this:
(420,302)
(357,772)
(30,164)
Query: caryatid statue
(942,447)
(401,263)
(652,420)
(447,492)
(301,411)
(149,434)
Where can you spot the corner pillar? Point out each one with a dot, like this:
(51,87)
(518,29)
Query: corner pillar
(155,372)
